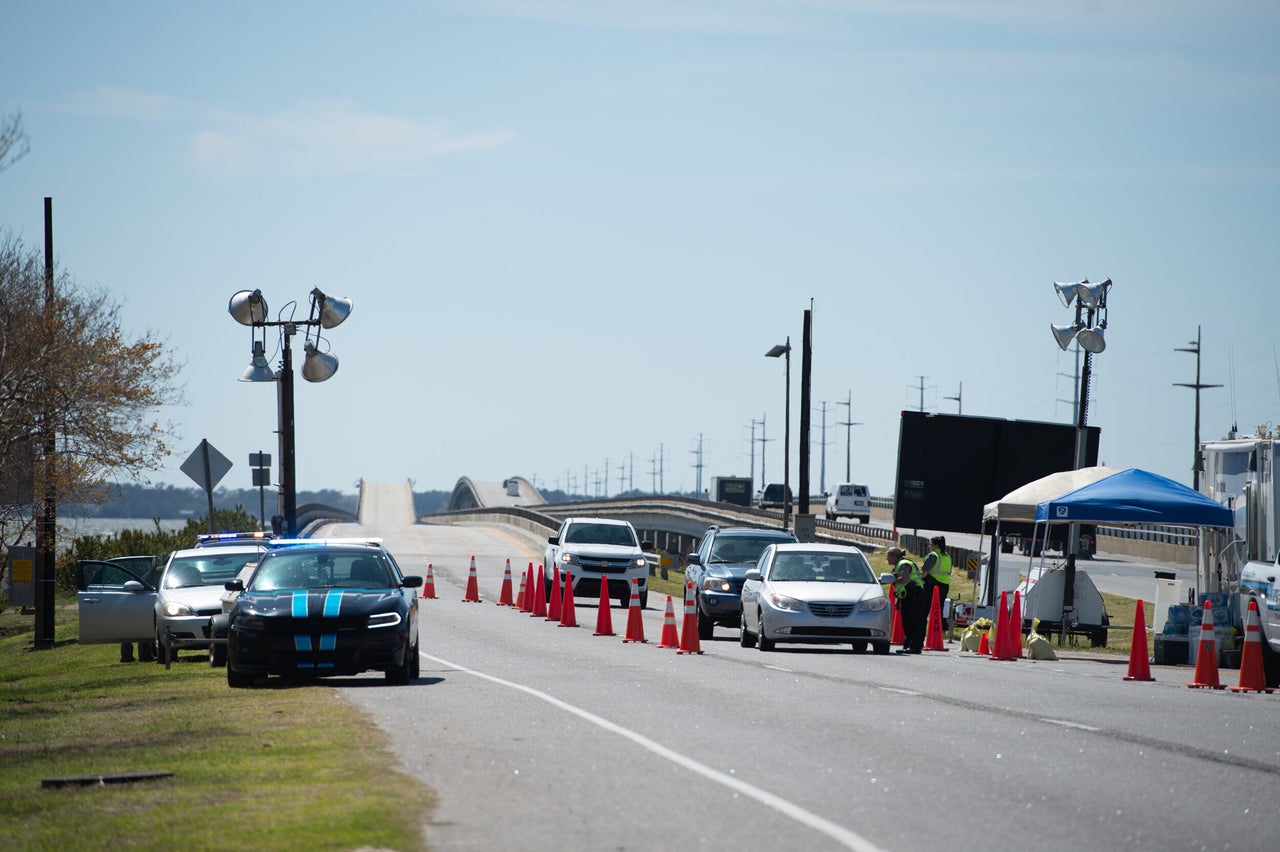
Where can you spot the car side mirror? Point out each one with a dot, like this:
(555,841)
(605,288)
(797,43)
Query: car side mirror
(236,585)
(646,546)
(887,578)
(753,574)
(413,581)
(693,559)
(555,539)
(133,586)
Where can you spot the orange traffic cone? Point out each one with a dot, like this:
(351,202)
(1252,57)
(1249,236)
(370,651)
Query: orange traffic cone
(1252,676)
(896,634)
(984,644)
(933,636)
(689,632)
(1015,627)
(1207,654)
(504,596)
(635,627)
(429,585)
(1139,665)
(473,589)
(527,605)
(553,608)
(568,612)
(524,582)
(539,595)
(670,638)
(604,619)
(1000,645)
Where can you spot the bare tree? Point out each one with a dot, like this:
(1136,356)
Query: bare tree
(13,140)
(66,365)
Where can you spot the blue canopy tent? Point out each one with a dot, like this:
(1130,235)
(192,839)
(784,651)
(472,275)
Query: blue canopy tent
(1128,497)
(1135,496)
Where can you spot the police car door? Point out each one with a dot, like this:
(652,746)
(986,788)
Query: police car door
(115,604)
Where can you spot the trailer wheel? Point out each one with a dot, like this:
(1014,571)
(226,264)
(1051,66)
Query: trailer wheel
(1098,638)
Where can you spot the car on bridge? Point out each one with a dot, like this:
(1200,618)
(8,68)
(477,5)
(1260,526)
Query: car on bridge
(718,568)
(815,594)
(595,551)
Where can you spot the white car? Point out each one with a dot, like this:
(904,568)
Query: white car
(817,594)
(850,500)
(596,550)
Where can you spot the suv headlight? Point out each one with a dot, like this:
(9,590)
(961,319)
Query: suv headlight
(716,584)
(876,604)
(784,602)
(568,559)
(173,608)
(640,562)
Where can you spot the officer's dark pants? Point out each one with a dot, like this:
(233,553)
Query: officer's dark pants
(915,614)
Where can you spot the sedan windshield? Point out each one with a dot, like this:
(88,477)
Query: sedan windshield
(205,570)
(820,568)
(739,548)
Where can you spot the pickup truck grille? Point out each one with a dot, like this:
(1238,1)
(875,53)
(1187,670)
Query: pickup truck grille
(604,566)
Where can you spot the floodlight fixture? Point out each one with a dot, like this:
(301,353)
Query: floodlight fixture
(248,307)
(258,369)
(318,366)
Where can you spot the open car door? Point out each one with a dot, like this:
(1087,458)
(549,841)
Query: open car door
(116,600)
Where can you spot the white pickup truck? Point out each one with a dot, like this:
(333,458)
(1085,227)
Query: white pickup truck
(596,550)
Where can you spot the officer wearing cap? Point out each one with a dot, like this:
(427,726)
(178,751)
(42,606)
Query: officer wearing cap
(909,588)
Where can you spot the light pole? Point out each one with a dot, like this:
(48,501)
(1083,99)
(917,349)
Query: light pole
(248,307)
(848,438)
(1197,465)
(1090,304)
(781,350)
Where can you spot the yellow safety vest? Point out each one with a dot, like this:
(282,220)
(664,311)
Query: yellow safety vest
(941,570)
(913,577)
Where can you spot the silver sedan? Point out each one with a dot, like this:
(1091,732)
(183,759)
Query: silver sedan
(815,594)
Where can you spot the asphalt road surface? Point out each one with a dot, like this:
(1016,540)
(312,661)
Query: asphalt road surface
(541,737)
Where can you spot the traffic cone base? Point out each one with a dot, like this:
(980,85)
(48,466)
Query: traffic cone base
(1139,666)
(689,642)
(1253,676)
(670,637)
(473,588)
(933,636)
(604,619)
(1206,676)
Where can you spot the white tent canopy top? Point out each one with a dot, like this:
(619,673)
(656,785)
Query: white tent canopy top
(1020,504)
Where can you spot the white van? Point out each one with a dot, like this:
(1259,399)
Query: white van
(850,499)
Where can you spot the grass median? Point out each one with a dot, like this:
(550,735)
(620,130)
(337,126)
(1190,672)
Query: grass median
(292,766)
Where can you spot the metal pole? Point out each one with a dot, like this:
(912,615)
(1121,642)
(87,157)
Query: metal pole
(806,370)
(288,481)
(786,448)
(47,525)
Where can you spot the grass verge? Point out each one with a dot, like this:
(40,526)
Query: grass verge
(269,768)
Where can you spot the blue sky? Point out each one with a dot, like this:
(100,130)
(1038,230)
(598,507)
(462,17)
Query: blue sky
(572,229)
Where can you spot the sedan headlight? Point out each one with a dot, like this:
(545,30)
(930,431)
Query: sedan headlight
(784,602)
(716,584)
(384,619)
(876,604)
(251,622)
(173,608)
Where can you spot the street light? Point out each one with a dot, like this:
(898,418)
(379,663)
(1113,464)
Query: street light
(784,349)
(248,307)
(1090,305)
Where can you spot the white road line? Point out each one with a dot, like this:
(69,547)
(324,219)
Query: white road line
(780,669)
(899,691)
(1066,724)
(838,833)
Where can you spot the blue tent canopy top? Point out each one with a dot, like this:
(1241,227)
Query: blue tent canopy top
(1135,496)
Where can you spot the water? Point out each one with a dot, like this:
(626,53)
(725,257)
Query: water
(71,528)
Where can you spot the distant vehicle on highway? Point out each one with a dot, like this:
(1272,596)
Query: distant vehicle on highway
(599,550)
(718,568)
(771,496)
(849,499)
(816,594)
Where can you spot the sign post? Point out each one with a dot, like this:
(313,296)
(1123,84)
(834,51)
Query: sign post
(261,465)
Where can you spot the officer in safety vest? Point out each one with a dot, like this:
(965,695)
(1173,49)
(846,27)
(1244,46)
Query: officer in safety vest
(909,588)
(937,573)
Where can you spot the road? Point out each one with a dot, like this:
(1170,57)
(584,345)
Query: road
(541,737)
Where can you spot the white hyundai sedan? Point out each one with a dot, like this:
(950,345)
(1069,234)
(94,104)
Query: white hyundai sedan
(821,594)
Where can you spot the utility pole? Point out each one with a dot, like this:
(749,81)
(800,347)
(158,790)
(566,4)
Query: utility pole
(959,398)
(1197,466)
(697,465)
(763,443)
(921,389)
(822,454)
(848,437)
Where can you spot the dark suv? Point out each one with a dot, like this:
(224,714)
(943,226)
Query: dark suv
(718,569)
